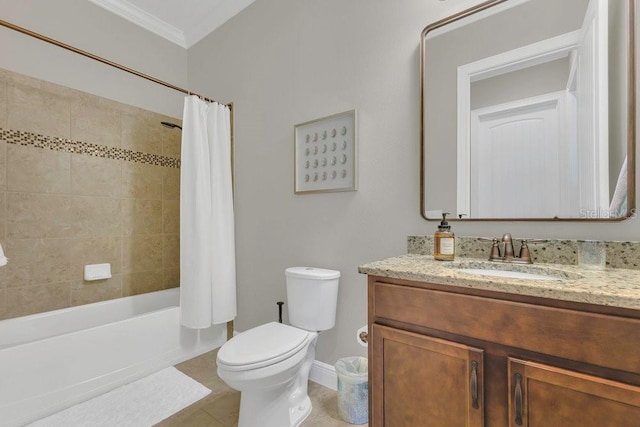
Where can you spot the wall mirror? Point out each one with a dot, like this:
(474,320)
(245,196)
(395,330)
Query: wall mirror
(528,111)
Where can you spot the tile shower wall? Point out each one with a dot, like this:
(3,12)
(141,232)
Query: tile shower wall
(83,180)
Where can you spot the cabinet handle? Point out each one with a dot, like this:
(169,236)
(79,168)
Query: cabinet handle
(518,399)
(474,385)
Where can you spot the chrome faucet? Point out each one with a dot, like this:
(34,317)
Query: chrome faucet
(524,256)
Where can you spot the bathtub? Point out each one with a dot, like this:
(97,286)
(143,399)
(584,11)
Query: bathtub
(50,361)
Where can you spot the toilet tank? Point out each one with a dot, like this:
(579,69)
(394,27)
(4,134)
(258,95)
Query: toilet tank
(312,296)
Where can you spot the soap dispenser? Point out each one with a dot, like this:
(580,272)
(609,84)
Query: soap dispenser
(444,241)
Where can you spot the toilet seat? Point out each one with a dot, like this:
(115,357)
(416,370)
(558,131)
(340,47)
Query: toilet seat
(262,346)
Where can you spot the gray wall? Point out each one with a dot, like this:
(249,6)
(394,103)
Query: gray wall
(86,26)
(284,62)
(532,81)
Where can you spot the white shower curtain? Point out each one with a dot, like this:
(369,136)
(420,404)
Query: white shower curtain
(618,206)
(207,245)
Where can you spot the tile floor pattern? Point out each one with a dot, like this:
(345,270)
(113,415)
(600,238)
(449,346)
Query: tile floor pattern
(220,408)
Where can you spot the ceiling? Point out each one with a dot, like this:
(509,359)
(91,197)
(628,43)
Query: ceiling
(181,22)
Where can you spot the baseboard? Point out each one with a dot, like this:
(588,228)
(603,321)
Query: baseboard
(323,374)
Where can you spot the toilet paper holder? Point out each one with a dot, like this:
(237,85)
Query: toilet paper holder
(362,336)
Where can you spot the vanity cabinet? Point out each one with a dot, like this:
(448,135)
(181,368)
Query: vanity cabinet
(422,379)
(447,356)
(544,395)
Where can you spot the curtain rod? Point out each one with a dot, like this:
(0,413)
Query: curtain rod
(101,59)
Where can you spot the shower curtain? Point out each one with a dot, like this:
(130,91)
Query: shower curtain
(207,245)
(618,206)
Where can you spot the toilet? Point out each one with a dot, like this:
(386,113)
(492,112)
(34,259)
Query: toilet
(270,364)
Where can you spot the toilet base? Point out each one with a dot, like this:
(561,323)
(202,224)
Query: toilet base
(271,409)
(300,412)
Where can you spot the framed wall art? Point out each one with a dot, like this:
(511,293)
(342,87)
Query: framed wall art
(325,154)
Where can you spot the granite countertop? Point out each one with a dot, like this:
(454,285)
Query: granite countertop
(615,287)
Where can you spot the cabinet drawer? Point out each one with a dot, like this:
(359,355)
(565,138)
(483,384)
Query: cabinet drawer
(602,340)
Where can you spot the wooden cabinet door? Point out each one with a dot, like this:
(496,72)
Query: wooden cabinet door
(423,381)
(545,396)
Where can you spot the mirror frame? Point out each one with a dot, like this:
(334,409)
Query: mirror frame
(631,117)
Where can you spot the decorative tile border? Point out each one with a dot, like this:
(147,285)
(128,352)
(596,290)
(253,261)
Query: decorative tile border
(77,147)
(619,254)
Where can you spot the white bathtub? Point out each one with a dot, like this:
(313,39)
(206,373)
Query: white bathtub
(52,360)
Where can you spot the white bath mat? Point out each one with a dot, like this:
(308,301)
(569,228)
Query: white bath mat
(139,404)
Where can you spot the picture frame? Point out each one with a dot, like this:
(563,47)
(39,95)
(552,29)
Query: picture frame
(325,154)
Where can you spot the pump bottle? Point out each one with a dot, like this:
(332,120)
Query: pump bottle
(444,241)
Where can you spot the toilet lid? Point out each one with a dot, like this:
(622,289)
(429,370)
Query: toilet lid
(263,345)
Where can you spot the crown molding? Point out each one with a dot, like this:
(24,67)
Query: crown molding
(143,19)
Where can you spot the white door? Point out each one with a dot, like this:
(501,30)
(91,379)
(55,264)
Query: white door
(520,163)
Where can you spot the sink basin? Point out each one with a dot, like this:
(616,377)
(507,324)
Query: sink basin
(507,274)
(512,270)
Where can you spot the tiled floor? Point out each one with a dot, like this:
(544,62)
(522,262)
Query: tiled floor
(220,408)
